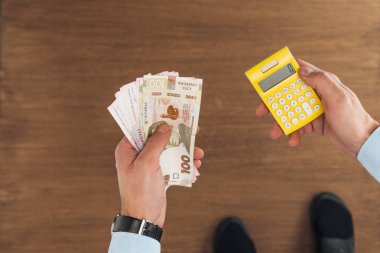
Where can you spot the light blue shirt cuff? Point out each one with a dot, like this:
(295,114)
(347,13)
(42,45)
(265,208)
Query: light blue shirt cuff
(123,242)
(369,154)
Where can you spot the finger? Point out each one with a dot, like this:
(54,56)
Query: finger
(308,128)
(125,149)
(262,110)
(198,129)
(276,132)
(156,144)
(197,163)
(198,153)
(301,131)
(294,139)
(318,125)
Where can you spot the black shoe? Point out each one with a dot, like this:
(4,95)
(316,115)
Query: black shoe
(332,224)
(231,236)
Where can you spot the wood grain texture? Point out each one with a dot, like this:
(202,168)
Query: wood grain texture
(62,61)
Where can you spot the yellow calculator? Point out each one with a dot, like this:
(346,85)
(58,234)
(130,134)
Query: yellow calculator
(292,103)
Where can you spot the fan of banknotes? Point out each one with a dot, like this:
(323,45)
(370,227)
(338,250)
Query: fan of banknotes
(142,106)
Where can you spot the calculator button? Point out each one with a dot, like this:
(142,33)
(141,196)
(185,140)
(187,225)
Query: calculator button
(299,81)
(301,98)
(293,103)
(303,87)
(283,118)
(296,92)
(285,90)
(312,101)
(298,109)
(278,94)
(316,107)
(290,114)
(289,96)
(292,85)
(279,112)
(308,94)
(282,101)
(287,125)
(307,108)
(271,99)
(302,116)
(294,121)
(286,107)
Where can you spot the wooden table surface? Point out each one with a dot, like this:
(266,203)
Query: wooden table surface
(62,61)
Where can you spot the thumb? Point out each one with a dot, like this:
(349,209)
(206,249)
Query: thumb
(323,82)
(156,144)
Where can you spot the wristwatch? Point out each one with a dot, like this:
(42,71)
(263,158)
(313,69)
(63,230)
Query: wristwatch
(136,226)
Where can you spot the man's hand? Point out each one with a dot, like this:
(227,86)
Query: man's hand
(345,122)
(141,183)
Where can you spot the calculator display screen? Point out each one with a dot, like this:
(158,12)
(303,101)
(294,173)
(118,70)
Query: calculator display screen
(277,77)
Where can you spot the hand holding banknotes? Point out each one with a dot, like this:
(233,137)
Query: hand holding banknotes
(345,122)
(142,106)
(141,183)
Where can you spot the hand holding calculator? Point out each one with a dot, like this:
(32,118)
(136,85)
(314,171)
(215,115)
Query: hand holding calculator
(292,103)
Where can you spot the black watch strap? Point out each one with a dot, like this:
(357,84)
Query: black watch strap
(133,225)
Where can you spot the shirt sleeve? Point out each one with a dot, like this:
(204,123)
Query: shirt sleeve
(123,242)
(369,154)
